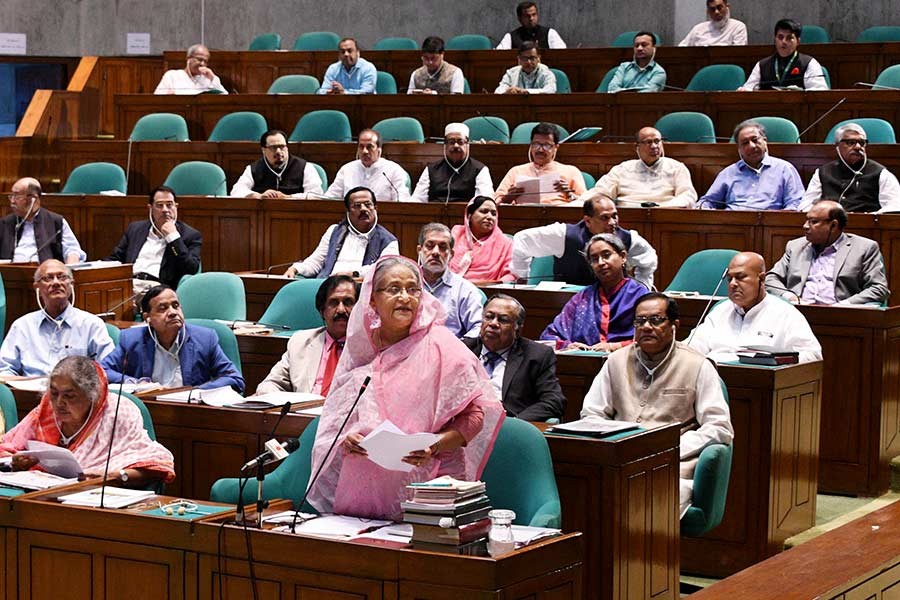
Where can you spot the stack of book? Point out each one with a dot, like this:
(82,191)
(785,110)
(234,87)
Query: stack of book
(448,515)
(764,355)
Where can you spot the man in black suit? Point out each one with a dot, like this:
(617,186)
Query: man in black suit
(162,248)
(523,372)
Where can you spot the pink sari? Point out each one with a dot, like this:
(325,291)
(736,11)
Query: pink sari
(481,260)
(420,384)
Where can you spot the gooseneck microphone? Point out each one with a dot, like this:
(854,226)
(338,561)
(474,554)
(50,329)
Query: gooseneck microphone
(393,187)
(708,304)
(825,114)
(112,435)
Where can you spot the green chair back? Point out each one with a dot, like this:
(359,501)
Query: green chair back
(385,83)
(686,127)
(227,340)
(7,409)
(826,75)
(626,39)
(213,295)
(145,413)
(717,78)
(778,130)
(603,88)
(157,127)
(589,180)
(878,131)
(815,34)
(562,81)
(469,41)
(197,178)
(2,309)
(266,41)
(400,129)
(113,332)
(317,40)
(530,492)
(880,33)
(322,175)
(295,305)
(702,271)
(888,79)
(294,84)
(93,178)
(541,270)
(522,133)
(467,89)
(396,43)
(322,126)
(243,126)
(487,128)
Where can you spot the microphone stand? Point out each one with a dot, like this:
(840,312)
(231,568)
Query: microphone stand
(112,434)
(260,476)
(706,308)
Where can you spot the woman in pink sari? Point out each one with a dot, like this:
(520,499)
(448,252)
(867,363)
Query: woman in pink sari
(77,413)
(480,250)
(423,379)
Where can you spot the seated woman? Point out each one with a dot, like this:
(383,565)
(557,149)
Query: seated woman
(480,250)
(423,379)
(77,413)
(601,316)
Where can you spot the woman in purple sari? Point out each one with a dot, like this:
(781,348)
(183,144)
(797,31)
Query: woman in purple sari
(600,317)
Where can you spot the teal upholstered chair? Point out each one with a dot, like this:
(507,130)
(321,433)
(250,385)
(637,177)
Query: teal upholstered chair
(522,133)
(888,79)
(607,79)
(294,84)
(242,126)
(2,309)
(815,34)
(266,41)
(469,41)
(295,305)
(197,178)
(396,43)
(145,413)
(878,131)
(322,126)
(96,177)
(702,271)
(487,128)
(467,89)
(686,127)
(385,83)
(400,129)
(7,409)
(530,492)
(626,39)
(717,78)
(113,332)
(227,340)
(317,40)
(213,295)
(879,33)
(778,130)
(322,175)
(562,82)
(589,180)
(541,270)
(160,127)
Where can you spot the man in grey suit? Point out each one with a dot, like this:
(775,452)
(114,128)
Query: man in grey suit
(829,266)
(312,354)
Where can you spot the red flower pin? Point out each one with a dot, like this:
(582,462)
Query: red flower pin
(795,71)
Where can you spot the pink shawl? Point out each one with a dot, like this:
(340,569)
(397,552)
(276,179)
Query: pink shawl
(481,260)
(420,383)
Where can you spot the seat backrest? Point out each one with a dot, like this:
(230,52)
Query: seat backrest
(562,81)
(624,39)
(7,409)
(589,180)
(2,309)
(469,41)
(889,78)
(717,78)
(145,413)
(522,133)
(826,76)
(815,34)
(322,175)
(317,40)
(295,305)
(227,340)
(878,131)
(530,492)
(243,126)
(702,271)
(686,127)
(113,332)
(93,178)
(879,33)
(778,130)
(541,270)
(487,128)
(603,88)
(385,83)
(294,84)
(197,178)
(213,295)
(160,127)
(396,43)
(322,126)
(266,41)
(400,129)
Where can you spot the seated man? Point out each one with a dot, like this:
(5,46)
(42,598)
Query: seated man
(757,181)
(168,351)
(460,298)
(352,245)
(32,234)
(652,179)
(530,30)
(352,74)
(643,73)
(719,30)
(522,372)
(312,354)
(787,67)
(195,78)
(565,242)
(387,180)
(658,381)
(435,76)
(456,178)
(859,184)
(829,266)
(278,174)
(161,248)
(530,77)
(38,340)
(568,180)
(750,317)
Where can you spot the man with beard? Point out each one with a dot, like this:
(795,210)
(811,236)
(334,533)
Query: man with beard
(312,354)
(351,74)
(386,179)
(568,184)
(787,67)
(277,174)
(643,73)
(456,178)
(530,30)
(460,298)
(719,30)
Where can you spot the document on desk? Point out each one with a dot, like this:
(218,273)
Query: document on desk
(593,426)
(113,497)
(336,527)
(53,459)
(535,186)
(33,480)
(387,445)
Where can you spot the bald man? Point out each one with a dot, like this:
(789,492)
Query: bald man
(195,78)
(750,317)
(34,234)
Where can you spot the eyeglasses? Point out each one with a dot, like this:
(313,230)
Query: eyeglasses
(456,142)
(14,195)
(812,221)
(542,146)
(362,205)
(502,319)
(654,320)
(850,143)
(62,277)
(164,205)
(276,147)
(656,142)
(395,290)
(201,59)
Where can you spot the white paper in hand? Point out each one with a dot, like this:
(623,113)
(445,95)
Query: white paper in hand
(53,459)
(387,446)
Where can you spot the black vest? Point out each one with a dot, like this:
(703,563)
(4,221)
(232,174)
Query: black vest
(861,196)
(539,34)
(571,267)
(793,72)
(462,184)
(47,236)
(291,181)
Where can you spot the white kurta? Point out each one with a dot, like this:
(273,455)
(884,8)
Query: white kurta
(385,178)
(666,182)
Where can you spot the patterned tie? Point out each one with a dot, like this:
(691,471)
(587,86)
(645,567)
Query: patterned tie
(330,365)
(491,360)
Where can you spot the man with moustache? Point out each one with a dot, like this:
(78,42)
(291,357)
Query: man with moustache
(31,233)
(719,30)
(352,74)
(643,73)
(195,78)
(278,174)
(659,381)
(312,354)
(459,297)
(530,30)
(787,67)
(386,179)
(456,178)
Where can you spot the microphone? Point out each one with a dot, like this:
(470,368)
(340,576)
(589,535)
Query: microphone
(234,325)
(25,218)
(239,512)
(112,311)
(37,253)
(708,304)
(825,114)
(874,86)
(491,123)
(278,266)
(128,163)
(393,187)
(779,287)
(112,434)
(705,200)
(269,456)
(675,87)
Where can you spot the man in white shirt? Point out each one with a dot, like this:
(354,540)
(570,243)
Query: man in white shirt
(529,76)
(31,233)
(435,76)
(278,174)
(719,30)
(787,68)
(387,180)
(530,31)
(195,78)
(652,179)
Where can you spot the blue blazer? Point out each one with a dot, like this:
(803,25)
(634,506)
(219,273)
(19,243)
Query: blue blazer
(203,364)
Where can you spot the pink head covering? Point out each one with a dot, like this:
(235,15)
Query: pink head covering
(486,259)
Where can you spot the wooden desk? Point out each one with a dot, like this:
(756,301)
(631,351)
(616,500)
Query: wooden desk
(260,289)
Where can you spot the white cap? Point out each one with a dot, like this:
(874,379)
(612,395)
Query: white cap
(460,128)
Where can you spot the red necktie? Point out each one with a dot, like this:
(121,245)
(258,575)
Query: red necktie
(330,365)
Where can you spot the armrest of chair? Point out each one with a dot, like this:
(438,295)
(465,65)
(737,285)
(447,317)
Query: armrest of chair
(548,515)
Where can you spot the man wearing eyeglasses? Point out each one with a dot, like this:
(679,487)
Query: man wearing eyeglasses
(31,233)
(38,340)
(387,180)
(859,184)
(457,177)
(530,76)
(278,174)
(659,381)
(195,78)
(720,29)
(352,245)
(522,372)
